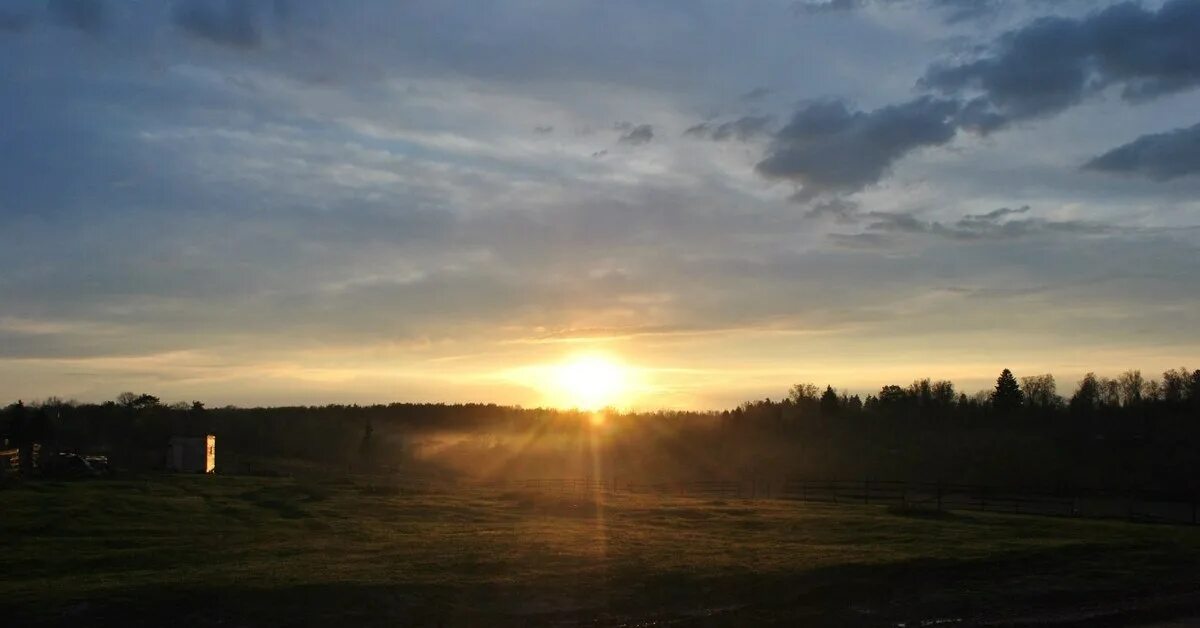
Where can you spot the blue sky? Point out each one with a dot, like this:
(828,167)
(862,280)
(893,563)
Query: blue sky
(273,202)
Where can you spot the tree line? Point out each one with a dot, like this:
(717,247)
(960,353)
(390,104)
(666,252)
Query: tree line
(1126,431)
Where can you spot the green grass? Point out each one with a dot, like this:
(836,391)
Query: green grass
(234,551)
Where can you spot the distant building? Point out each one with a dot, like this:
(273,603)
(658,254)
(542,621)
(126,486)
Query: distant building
(192,454)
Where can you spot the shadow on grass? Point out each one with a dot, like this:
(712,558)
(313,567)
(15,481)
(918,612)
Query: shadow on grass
(974,591)
(288,500)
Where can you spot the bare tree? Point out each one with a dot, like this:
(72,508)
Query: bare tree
(1041,391)
(1131,385)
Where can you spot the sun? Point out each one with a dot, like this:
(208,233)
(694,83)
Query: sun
(589,382)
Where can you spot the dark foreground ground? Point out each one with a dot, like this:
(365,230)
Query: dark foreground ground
(250,552)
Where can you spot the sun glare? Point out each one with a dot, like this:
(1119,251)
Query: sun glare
(589,382)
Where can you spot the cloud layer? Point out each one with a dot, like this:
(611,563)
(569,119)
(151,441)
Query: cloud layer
(260,202)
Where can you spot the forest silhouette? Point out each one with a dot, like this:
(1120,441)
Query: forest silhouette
(1122,433)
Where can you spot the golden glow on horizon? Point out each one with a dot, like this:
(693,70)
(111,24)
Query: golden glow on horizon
(588,382)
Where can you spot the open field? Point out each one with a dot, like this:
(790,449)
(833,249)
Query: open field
(241,551)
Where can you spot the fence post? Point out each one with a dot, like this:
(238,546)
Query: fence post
(866,491)
(939,495)
(1193,509)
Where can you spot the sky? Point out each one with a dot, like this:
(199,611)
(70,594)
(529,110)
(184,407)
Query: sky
(279,202)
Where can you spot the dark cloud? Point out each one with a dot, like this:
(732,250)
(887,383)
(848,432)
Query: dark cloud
(1160,156)
(995,214)
(838,209)
(638,135)
(1054,63)
(742,129)
(828,148)
(813,7)
(755,95)
(543,130)
(954,11)
(85,15)
(14,22)
(992,225)
(231,22)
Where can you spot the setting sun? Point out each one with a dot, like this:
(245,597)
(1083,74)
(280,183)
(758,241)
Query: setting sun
(589,382)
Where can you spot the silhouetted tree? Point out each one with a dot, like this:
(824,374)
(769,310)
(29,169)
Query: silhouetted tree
(943,393)
(1131,385)
(1087,397)
(829,402)
(1040,391)
(1176,386)
(1007,396)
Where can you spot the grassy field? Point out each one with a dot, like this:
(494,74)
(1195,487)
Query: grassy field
(240,551)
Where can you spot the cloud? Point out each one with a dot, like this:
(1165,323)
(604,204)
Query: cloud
(1160,156)
(231,23)
(954,11)
(741,129)
(755,95)
(86,15)
(992,225)
(638,135)
(1054,63)
(839,209)
(816,7)
(995,214)
(407,209)
(13,22)
(828,148)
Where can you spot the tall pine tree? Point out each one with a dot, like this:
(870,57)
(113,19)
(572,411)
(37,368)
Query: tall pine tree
(1008,396)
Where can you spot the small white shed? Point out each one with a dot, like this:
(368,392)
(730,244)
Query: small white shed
(192,454)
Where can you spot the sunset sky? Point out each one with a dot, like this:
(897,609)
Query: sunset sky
(308,202)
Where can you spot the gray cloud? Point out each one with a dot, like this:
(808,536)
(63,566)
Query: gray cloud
(14,22)
(965,10)
(755,95)
(228,22)
(828,148)
(953,11)
(992,225)
(638,135)
(741,129)
(1160,156)
(165,196)
(1054,63)
(816,7)
(85,15)
(838,209)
